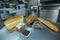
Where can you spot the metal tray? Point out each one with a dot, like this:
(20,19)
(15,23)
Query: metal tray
(36,34)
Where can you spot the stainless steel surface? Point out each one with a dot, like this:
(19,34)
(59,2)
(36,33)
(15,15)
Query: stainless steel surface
(45,0)
(50,12)
(50,15)
(36,34)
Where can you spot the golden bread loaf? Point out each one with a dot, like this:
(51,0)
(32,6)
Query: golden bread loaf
(30,19)
(13,22)
(48,24)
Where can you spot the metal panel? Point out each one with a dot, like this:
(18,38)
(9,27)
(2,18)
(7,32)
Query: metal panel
(50,15)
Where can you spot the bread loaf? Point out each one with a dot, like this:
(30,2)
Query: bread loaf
(30,19)
(13,22)
(48,24)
